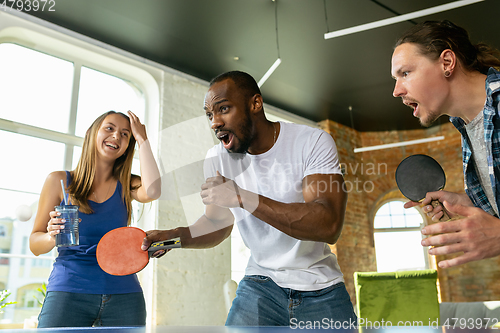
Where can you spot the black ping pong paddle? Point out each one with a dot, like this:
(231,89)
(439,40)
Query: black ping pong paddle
(418,174)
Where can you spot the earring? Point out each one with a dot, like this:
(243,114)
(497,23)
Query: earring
(447,74)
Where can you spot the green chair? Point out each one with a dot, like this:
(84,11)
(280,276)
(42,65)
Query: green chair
(408,298)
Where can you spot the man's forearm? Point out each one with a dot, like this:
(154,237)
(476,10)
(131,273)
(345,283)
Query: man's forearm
(312,221)
(319,218)
(205,233)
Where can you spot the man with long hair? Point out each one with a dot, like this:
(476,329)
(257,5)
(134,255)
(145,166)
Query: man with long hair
(438,71)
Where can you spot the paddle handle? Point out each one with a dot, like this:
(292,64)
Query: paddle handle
(173,243)
(445,216)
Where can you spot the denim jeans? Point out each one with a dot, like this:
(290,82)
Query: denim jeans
(261,302)
(63,309)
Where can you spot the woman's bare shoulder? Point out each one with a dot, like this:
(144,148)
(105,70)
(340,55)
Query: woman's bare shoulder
(54,178)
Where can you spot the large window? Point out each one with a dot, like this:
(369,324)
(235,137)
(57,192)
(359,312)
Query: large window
(46,105)
(397,238)
(100,92)
(35,88)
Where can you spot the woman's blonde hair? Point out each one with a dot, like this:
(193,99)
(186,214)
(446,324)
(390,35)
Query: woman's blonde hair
(83,175)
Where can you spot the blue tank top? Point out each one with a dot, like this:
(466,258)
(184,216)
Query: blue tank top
(76,269)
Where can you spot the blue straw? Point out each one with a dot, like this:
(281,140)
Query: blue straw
(64,194)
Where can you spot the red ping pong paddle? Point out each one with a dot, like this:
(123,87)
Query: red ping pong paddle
(418,174)
(119,251)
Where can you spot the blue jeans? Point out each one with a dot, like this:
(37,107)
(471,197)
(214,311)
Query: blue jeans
(261,302)
(63,309)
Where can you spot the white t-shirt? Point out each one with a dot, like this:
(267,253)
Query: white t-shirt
(277,174)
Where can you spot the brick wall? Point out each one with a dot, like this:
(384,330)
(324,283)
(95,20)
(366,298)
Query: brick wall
(354,249)
(370,180)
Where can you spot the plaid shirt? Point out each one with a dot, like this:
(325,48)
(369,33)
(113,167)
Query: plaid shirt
(473,186)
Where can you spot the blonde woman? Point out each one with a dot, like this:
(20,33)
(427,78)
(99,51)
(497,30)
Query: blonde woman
(79,293)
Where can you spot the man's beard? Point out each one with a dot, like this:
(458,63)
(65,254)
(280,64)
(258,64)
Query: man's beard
(245,137)
(430,119)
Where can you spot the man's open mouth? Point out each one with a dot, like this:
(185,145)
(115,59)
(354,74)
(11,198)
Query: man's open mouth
(413,105)
(226,138)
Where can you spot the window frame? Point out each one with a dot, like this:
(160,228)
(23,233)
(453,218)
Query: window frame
(52,40)
(400,229)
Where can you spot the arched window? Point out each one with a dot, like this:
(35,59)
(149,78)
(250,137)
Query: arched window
(397,238)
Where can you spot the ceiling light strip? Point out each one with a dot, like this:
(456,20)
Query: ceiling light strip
(269,72)
(400,18)
(398,144)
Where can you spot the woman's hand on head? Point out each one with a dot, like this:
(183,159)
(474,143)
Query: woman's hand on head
(138,129)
